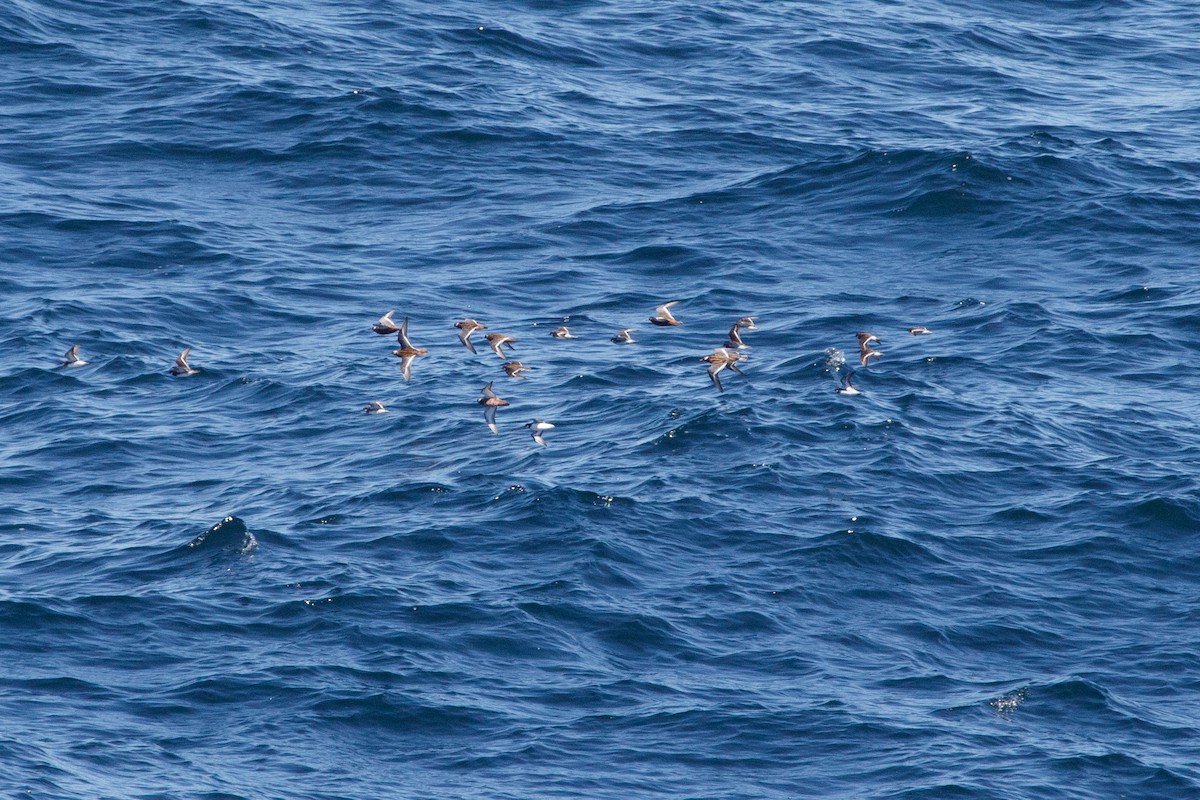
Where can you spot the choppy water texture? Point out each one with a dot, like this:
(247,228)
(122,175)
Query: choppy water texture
(977,579)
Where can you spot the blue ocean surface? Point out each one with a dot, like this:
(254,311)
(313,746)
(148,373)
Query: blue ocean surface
(978,578)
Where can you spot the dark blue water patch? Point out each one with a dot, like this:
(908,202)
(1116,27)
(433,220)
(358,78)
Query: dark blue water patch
(500,43)
(30,615)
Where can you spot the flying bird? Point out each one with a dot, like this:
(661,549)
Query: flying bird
(465,328)
(865,351)
(847,386)
(513,369)
(537,428)
(406,346)
(867,354)
(181,367)
(734,340)
(72,358)
(386,324)
(722,359)
(490,402)
(663,316)
(865,339)
(499,340)
(624,337)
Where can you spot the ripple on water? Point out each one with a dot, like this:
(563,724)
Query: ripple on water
(974,577)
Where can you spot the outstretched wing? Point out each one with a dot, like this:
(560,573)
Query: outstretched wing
(713,369)
(402,335)
(464,336)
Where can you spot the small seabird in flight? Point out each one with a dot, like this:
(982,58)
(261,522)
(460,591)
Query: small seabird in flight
(386,324)
(866,354)
(406,345)
(663,317)
(537,427)
(181,367)
(734,341)
(465,328)
(499,340)
(562,333)
(920,330)
(865,339)
(513,369)
(624,337)
(72,358)
(375,407)
(747,323)
(847,386)
(721,359)
(490,402)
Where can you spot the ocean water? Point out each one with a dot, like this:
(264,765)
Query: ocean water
(979,578)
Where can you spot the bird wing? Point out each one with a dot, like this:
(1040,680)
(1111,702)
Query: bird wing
(402,336)
(464,336)
(664,310)
(713,369)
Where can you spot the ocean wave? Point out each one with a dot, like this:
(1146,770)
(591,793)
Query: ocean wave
(974,575)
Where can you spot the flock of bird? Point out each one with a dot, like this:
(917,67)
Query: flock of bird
(725,357)
(866,352)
